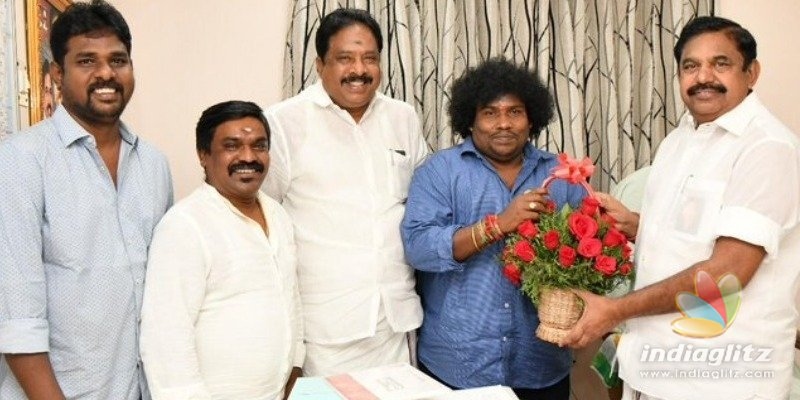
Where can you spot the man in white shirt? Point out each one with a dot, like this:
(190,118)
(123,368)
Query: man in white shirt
(221,316)
(722,198)
(342,159)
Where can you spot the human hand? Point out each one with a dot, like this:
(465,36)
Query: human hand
(627,221)
(527,206)
(599,318)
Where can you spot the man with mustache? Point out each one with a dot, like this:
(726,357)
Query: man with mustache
(80,195)
(723,197)
(221,316)
(479,328)
(342,158)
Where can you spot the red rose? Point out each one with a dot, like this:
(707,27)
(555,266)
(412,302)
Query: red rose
(551,240)
(582,226)
(524,251)
(566,256)
(626,268)
(605,264)
(614,238)
(513,274)
(528,229)
(590,206)
(590,247)
(626,251)
(550,206)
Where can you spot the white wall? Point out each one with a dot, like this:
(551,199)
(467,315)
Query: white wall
(188,56)
(776,27)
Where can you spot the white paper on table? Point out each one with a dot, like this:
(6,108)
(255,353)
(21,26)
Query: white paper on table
(399,382)
(483,393)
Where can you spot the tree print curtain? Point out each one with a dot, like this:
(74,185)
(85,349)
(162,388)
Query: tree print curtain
(608,63)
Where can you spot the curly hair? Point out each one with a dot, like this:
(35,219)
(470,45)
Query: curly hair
(491,80)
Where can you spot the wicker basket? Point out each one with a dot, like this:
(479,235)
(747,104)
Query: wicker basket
(559,310)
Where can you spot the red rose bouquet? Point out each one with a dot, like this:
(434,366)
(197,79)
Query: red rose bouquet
(567,249)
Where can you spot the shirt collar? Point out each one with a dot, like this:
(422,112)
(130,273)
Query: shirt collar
(71,131)
(734,121)
(222,201)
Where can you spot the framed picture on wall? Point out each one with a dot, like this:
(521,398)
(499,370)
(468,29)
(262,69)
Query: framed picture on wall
(44,95)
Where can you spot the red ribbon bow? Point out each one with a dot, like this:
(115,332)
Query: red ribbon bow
(573,171)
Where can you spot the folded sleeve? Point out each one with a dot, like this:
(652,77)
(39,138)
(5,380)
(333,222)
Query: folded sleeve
(428,229)
(760,205)
(23,289)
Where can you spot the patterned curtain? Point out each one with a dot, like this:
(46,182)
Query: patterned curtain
(8,114)
(608,63)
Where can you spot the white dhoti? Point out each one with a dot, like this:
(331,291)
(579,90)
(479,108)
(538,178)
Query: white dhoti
(385,347)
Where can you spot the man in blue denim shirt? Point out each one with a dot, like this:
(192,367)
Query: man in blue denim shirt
(478,328)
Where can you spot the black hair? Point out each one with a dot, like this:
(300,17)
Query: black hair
(491,80)
(220,113)
(342,18)
(744,40)
(82,18)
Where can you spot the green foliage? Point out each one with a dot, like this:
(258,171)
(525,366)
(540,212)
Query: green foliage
(546,270)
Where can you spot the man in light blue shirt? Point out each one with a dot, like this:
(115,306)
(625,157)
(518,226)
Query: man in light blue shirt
(79,200)
(478,328)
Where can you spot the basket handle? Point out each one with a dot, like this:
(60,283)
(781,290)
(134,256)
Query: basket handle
(572,170)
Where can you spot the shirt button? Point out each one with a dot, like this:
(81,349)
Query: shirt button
(505,338)
(506,305)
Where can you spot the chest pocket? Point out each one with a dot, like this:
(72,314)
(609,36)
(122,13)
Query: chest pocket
(400,170)
(697,208)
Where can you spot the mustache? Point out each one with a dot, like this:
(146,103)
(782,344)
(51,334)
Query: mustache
(255,165)
(354,78)
(706,86)
(106,84)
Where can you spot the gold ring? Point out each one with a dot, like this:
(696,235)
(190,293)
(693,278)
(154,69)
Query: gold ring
(532,205)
